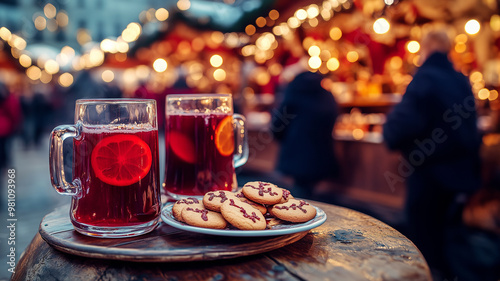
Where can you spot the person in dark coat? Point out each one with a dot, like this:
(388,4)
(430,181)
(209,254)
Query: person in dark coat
(434,127)
(303,125)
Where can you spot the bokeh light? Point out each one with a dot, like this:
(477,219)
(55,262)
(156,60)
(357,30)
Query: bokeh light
(160,65)
(381,26)
(472,27)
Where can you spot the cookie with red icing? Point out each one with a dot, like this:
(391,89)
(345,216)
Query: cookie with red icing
(286,195)
(257,206)
(294,211)
(183,203)
(201,217)
(242,215)
(213,200)
(262,192)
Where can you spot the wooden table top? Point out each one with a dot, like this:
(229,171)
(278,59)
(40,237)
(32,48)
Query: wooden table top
(348,246)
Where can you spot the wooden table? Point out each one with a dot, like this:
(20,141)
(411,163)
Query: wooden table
(348,246)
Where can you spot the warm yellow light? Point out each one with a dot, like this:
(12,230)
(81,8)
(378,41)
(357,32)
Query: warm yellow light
(5,34)
(314,51)
(275,69)
(472,27)
(274,15)
(217,37)
(18,43)
(66,79)
(381,26)
(314,62)
(333,64)
(312,11)
(396,62)
(476,76)
(248,50)
(293,22)
(493,95)
(45,77)
(83,36)
(301,14)
(352,56)
(184,5)
(122,47)
(483,94)
(461,38)
(219,75)
(358,134)
(260,21)
(263,78)
(413,47)
(68,51)
(161,14)
(216,60)
(313,22)
(51,66)
(142,72)
(160,65)
(460,48)
(25,60)
(495,22)
(40,23)
(50,11)
(96,57)
(108,45)
(62,19)
(132,32)
(250,30)
(107,76)
(33,73)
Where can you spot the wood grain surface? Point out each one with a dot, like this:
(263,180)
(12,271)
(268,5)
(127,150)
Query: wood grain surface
(348,246)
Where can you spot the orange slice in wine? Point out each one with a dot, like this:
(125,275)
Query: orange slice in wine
(224,136)
(121,160)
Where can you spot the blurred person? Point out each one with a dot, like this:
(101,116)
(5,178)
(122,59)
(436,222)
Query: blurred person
(434,127)
(10,119)
(303,125)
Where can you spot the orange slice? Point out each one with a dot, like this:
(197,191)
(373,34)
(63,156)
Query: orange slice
(121,160)
(182,146)
(224,136)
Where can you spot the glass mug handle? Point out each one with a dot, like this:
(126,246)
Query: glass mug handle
(56,160)
(241,147)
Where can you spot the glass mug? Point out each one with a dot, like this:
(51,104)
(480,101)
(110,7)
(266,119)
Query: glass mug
(204,142)
(115,189)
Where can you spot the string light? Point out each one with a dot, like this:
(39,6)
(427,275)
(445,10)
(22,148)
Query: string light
(381,26)
(472,27)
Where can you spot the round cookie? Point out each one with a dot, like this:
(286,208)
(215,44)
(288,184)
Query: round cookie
(257,206)
(201,217)
(286,196)
(294,211)
(183,203)
(242,215)
(213,199)
(262,192)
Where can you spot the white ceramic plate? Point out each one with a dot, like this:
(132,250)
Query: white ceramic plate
(281,229)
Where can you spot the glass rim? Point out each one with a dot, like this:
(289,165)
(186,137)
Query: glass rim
(197,96)
(116,100)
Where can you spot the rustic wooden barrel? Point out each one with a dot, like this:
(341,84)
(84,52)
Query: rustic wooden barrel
(348,246)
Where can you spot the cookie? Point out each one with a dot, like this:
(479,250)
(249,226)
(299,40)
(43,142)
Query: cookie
(242,215)
(183,203)
(294,211)
(213,199)
(201,217)
(286,196)
(262,192)
(257,206)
